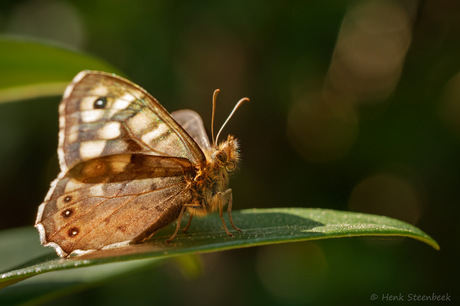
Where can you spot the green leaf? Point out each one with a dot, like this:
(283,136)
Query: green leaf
(259,227)
(32,68)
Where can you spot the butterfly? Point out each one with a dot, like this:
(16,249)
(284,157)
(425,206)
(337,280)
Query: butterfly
(129,168)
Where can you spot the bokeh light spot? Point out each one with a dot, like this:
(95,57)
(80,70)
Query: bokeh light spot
(388,195)
(449,108)
(322,128)
(370,50)
(293,272)
(52,20)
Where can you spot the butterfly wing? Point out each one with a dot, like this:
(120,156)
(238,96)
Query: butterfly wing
(102,114)
(125,166)
(193,124)
(113,200)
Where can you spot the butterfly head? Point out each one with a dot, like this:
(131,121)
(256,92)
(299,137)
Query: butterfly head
(226,155)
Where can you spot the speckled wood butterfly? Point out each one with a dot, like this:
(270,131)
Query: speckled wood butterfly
(129,168)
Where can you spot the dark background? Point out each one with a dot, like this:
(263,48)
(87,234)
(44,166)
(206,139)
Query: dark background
(355,105)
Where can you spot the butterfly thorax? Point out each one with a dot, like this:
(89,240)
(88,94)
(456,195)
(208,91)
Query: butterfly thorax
(212,179)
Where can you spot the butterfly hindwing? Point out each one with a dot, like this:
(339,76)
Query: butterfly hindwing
(192,123)
(114,199)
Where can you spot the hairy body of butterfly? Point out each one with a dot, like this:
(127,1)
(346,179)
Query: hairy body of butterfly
(210,185)
(129,168)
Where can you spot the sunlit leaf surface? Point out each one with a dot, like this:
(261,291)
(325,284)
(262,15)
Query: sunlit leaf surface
(23,257)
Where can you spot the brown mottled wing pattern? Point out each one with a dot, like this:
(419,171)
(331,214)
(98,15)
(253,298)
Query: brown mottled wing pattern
(125,167)
(114,199)
(102,114)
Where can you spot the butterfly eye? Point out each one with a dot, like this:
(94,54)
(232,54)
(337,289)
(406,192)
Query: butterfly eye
(100,103)
(220,156)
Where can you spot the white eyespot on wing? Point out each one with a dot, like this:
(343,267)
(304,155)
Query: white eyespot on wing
(91,149)
(110,130)
(157,132)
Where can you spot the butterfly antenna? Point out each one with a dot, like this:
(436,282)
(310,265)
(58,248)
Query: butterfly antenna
(214,98)
(238,104)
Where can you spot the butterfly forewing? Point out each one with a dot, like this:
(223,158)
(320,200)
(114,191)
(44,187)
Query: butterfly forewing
(102,114)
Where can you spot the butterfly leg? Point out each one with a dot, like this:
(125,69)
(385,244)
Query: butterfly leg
(179,219)
(221,214)
(228,193)
(188,224)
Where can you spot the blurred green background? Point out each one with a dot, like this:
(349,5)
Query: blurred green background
(355,105)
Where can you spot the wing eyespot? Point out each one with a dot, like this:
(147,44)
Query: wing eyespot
(67,213)
(100,103)
(72,232)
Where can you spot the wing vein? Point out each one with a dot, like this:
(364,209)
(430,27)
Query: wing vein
(105,199)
